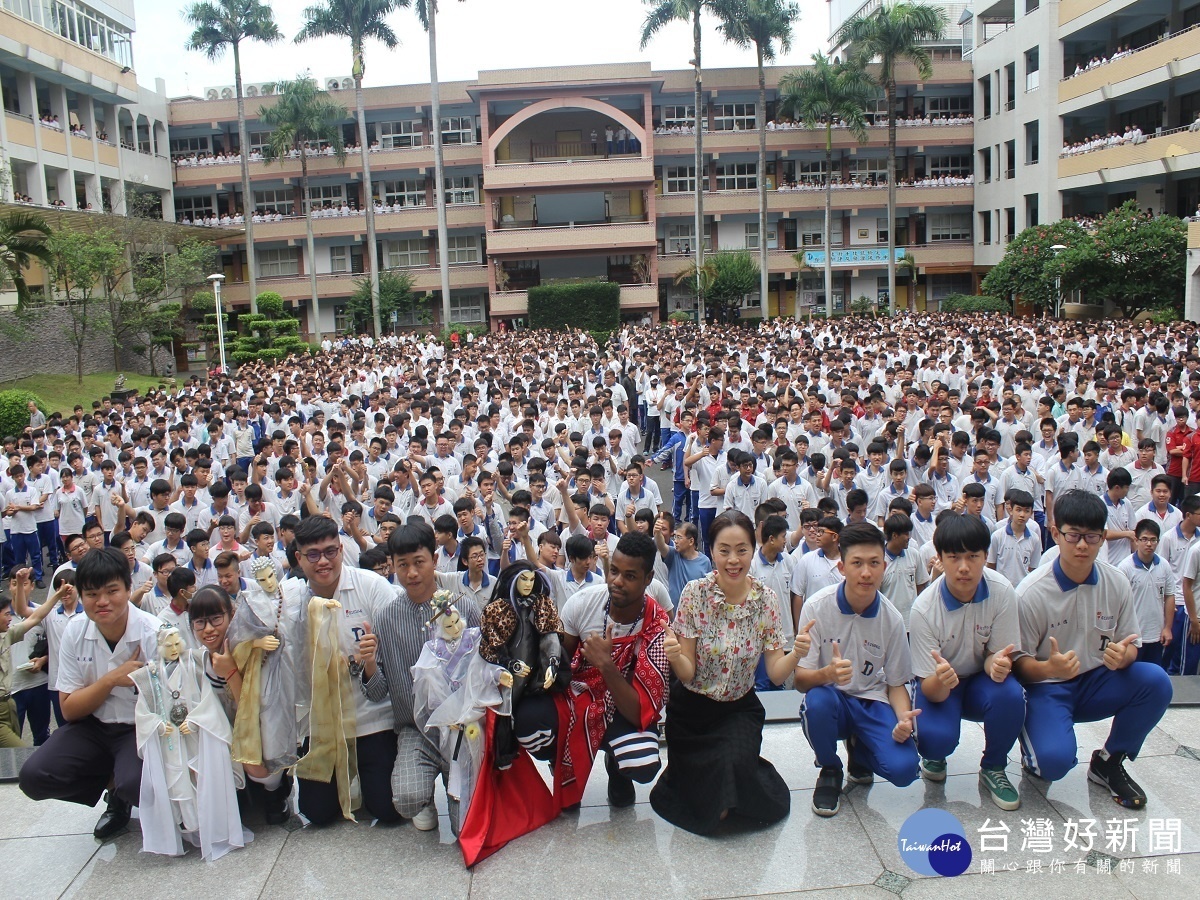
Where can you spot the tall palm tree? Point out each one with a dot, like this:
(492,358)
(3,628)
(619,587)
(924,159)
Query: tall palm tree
(661,14)
(761,24)
(358,20)
(221,24)
(829,92)
(304,116)
(427,13)
(22,239)
(890,35)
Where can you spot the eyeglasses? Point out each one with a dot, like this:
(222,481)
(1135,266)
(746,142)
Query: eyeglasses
(330,553)
(1074,537)
(1147,539)
(204,622)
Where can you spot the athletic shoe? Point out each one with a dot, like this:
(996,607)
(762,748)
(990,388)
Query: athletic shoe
(827,798)
(621,792)
(933,769)
(1110,773)
(1001,790)
(856,772)
(426,819)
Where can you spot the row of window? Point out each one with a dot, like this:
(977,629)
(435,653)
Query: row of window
(404,192)
(744,176)
(464,249)
(79,23)
(741,116)
(681,237)
(465,309)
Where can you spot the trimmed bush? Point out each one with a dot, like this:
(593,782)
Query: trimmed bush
(966,303)
(14,411)
(270,304)
(595,306)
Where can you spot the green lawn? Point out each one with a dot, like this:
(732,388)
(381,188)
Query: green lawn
(61,392)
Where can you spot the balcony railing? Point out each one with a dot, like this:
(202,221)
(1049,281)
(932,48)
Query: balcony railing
(1162,52)
(559,150)
(1152,149)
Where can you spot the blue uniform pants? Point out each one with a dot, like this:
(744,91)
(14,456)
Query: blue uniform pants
(999,706)
(1135,698)
(1180,657)
(681,492)
(706,518)
(27,546)
(1151,653)
(830,715)
(48,539)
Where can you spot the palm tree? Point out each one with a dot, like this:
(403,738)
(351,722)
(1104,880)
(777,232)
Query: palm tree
(760,24)
(303,117)
(427,13)
(908,265)
(22,239)
(829,92)
(662,13)
(218,24)
(887,36)
(358,20)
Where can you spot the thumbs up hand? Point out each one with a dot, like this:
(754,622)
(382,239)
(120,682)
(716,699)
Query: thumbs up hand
(841,670)
(803,641)
(945,672)
(366,648)
(1001,664)
(1115,652)
(1063,665)
(905,727)
(671,646)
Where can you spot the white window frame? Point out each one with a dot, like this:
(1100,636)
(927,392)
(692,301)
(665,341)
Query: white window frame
(188,146)
(863,167)
(333,194)
(194,207)
(956,164)
(406,253)
(464,249)
(741,176)
(752,236)
(278,262)
(401,134)
(275,200)
(956,105)
(341,318)
(466,309)
(679,116)
(734,117)
(458,129)
(403,192)
(811,172)
(339,260)
(949,226)
(258,140)
(679,180)
(462,189)
(682,238)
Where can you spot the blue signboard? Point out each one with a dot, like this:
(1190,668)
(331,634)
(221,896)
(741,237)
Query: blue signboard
(864,257)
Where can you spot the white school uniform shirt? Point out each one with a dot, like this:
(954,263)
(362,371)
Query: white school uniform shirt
(778,577)
(56,625)
(1081,617)
(900,579)
(813,573)
(1174,547)
(1015,556)
(1166,520)
(874,642)
(84,658)
(1150,586)
(965,634)
(1120,518)
(796,494)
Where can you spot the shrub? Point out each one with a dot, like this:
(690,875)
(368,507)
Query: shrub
(593,307)
(680,316)
(600,337)
(14,411)
(462,331)
(270,304)
(203,302)
(966,303)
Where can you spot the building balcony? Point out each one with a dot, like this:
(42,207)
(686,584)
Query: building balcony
(567,238)
(20,130)
(1173,151)
(1070,10)
(297,288)
(421,219)
(935,256)
(1158,62)
(739,202)
(81,69)
(781,140)
(569,173)
(516,303)
(1194,235)
(382,161)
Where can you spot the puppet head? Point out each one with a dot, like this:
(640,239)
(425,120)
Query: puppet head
(264,574)
(170,643)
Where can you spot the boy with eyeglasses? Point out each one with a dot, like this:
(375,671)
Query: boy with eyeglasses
(1154,590)
(1078,657)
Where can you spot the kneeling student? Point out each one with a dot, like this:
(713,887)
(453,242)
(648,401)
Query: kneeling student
(1078,657)
(855,676)
(963,630)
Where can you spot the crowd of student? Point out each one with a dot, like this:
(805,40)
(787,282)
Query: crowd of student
(1131,135)
(973,518)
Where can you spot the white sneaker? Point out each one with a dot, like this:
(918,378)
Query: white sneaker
(426,819)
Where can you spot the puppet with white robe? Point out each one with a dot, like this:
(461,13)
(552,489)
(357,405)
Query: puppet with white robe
(183,736)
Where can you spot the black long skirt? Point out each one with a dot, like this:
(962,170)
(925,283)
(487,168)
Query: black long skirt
(713,764)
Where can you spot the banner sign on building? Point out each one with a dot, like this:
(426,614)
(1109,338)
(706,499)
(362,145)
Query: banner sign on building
(864,257)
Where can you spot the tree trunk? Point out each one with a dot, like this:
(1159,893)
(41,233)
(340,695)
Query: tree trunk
(439,186)
(368,190)
(828,221)
(891,177)
(247,196)
(308,233)
(764,275)
(699,166)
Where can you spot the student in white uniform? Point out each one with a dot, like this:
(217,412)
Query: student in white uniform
(1154,592)
(904,576)
(1016,548)
(963,631)
(1078,657)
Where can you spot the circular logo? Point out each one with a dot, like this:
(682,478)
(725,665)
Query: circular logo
(934,842)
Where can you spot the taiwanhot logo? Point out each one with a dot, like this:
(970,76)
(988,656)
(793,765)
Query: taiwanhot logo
(934,842)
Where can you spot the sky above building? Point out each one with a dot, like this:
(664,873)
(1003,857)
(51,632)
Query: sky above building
(472,35)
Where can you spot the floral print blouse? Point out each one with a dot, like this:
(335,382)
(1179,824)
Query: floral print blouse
(729,639)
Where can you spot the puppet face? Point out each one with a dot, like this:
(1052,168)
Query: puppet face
(452,625)
(170,645)
(525,582)
(267,581)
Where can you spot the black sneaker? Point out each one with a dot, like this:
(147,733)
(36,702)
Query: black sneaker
(114,820)
(856,772)
(275,803)
(621,792)
(1110,773)
(827,798)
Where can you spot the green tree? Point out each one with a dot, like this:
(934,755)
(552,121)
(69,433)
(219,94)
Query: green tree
(887,36)
(1142,260)
(84,264)
(725,279)
(1033,271)
(828,92)
(269,334)
(24,237)
(395,295)
(763,25)
(358,20)
(219,25)
(304,116)
(661,14)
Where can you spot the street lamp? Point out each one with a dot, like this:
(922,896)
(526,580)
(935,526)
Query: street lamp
(1057,249)
(216,283)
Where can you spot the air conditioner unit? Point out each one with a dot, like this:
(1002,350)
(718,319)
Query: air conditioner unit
(227,93)
(333,84)
(266,88)
(251,90)
(212,94)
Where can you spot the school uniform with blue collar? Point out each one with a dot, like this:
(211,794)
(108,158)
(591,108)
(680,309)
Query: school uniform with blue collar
(1151,583)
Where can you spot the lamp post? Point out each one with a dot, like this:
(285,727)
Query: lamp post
(1057,249)
(216,283)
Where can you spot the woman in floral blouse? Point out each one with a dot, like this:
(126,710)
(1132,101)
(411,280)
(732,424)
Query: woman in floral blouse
(725,622)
